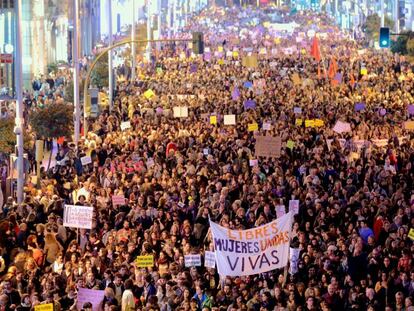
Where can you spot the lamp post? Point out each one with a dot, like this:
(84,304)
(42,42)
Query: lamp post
(110,66)
(76,70)
(133,51)
(18,130)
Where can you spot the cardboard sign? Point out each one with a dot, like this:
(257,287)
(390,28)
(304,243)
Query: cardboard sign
(268,146)
(125,125)
(118,200)
(192,260)
(144,261)
(250,61)
(209,259)
(409,125)
(44,307)
(95,297)
(252,127)
(296,79)
(76,216)
(230,119)
(86,160)
(180,112)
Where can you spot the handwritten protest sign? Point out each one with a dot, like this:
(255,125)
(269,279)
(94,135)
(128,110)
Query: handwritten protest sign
(44,307)
(268,146)
(118,200)
(342,127)
(180,112)
(209,259)
(252,127)
(309,123)
(76,216)
(318,123)
(229,119)
(86,160)
(266,126)
(252,251)
(409,125)
(192,260)
(144,261)
(95,297)
(294,206)
(125,125)
(250,61)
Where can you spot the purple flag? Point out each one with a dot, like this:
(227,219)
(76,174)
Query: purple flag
(235,94)
(359,106)
(249,104)
(410,109)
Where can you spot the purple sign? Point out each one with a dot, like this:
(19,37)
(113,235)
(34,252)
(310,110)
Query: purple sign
(235,94)
(248,84)
(359,106)
(249,104)
(410,109)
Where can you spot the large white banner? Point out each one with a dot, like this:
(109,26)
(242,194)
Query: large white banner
(76,216)
(252,251)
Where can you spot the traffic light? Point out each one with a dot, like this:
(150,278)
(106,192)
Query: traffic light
(384,37)
(198,43)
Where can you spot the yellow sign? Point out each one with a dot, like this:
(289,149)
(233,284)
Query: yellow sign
(290,144)
(364,71)
(319,123)
(309,123)
(220,62)
(296,79)
(220,49)
(253,127)
(146,261)
(148,94)
(411,234)
(213,120)
(277,40)
(235,54)
(298,122)
(44,307)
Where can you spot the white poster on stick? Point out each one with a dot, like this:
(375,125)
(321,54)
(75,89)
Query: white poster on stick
(77,216)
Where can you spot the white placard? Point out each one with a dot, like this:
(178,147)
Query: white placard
(280,211)
(209,259)
(294,206)
(205,151)
(125,125)
(342,127)
(180,112)
(76,216)
(86,160)
(229,119)
(192,260)
(267,126)
(253,162)
(297,110)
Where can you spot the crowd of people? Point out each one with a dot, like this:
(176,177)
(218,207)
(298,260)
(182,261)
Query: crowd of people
(355,187)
